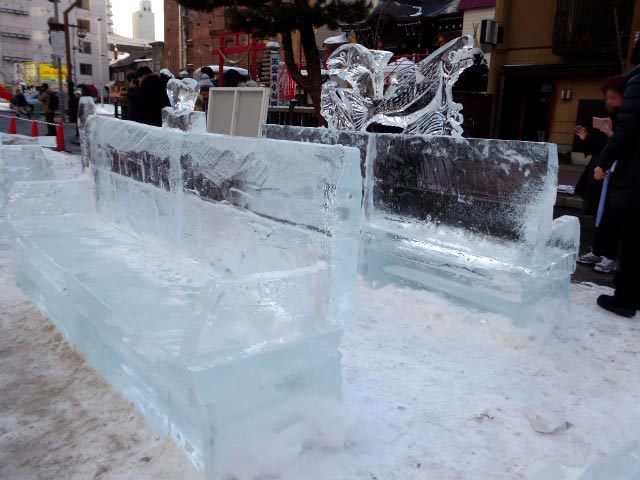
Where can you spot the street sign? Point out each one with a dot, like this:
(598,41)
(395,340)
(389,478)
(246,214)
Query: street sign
(57,42)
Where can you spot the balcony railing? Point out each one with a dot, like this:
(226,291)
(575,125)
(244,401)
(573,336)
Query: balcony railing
(589,27)
(24,36)
(15,11)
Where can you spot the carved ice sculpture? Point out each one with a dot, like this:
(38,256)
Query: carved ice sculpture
(183,93)
(419,100)
(181,115)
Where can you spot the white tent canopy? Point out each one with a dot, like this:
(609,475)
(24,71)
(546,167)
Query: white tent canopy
(216,69)
(338,39)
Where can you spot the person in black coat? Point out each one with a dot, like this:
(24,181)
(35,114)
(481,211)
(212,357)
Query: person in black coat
(592,141)
(624,195)
(132,96)
(151,97)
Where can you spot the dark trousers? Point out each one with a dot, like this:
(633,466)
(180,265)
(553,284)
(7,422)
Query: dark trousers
(627,279)
(51,128)
(607,236)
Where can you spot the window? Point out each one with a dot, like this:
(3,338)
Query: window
(84,46)
(84,25)
(86,69)
(121,76)
(84,4)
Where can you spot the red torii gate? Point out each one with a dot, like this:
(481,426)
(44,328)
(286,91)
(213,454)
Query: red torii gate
(252,48)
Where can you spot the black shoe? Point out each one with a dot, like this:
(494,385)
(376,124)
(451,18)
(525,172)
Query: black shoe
(615,305)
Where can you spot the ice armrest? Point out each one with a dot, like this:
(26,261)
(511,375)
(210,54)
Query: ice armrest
(565,234)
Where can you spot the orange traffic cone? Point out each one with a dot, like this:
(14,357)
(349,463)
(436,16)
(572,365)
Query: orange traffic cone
(34,128)
(60,144)
(13,129)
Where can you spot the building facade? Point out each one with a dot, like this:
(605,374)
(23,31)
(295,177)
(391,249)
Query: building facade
(25,51)
(144,25)
(475,11)
(188,42)
(554,57)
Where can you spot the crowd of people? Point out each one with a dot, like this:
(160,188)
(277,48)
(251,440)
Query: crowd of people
(146,97)
(147,91)
(614,143)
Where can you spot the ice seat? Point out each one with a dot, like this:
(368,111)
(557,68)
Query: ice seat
(19,162)
(206,277)
(471,218)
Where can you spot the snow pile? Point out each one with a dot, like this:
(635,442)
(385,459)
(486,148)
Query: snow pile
(431,391)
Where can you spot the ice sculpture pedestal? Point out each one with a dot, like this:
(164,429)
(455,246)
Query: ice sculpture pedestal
(201,281)
(184,119)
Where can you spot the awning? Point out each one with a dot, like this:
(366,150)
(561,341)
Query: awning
(471,4)
(414,10)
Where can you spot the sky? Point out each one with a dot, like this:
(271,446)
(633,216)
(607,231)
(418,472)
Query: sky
(122,10)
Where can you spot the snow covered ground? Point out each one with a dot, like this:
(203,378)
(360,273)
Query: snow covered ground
(431,390)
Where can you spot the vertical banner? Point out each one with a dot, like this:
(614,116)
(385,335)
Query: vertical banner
(286,84)
(273,76)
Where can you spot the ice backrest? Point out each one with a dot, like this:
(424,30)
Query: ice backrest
(503,189)
(292,183)
(500,188)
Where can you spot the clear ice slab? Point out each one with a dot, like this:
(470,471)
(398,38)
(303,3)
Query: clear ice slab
(206,277)
(470,218)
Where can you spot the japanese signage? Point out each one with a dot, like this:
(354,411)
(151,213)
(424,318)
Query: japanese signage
(273,76)
(48,73)
(286,85)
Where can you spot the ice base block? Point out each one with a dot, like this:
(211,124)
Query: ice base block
(469,218)
(220,322)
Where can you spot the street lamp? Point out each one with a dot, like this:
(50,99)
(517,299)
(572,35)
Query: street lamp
(81,33)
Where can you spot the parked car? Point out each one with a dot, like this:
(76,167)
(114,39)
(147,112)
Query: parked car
(32,100)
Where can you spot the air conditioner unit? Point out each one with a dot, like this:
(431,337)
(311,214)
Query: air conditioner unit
(490,32)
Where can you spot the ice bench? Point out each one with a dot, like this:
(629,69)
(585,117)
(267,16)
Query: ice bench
(206,277)
(471,218)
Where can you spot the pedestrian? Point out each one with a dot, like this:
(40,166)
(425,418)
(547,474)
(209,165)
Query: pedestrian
(624,194)
(232,78)
(592,141)
(151,97)
(132,93)
(19,103)
(74,104)
(48,107)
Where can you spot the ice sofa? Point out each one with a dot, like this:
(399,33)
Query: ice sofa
(470,218)
(206,277)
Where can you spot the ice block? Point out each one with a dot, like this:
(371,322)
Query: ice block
(206,277)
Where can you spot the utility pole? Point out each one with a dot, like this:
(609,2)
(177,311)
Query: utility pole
(100,61)
(67,41)
(58,65)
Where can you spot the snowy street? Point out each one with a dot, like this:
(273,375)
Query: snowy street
(431,391)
